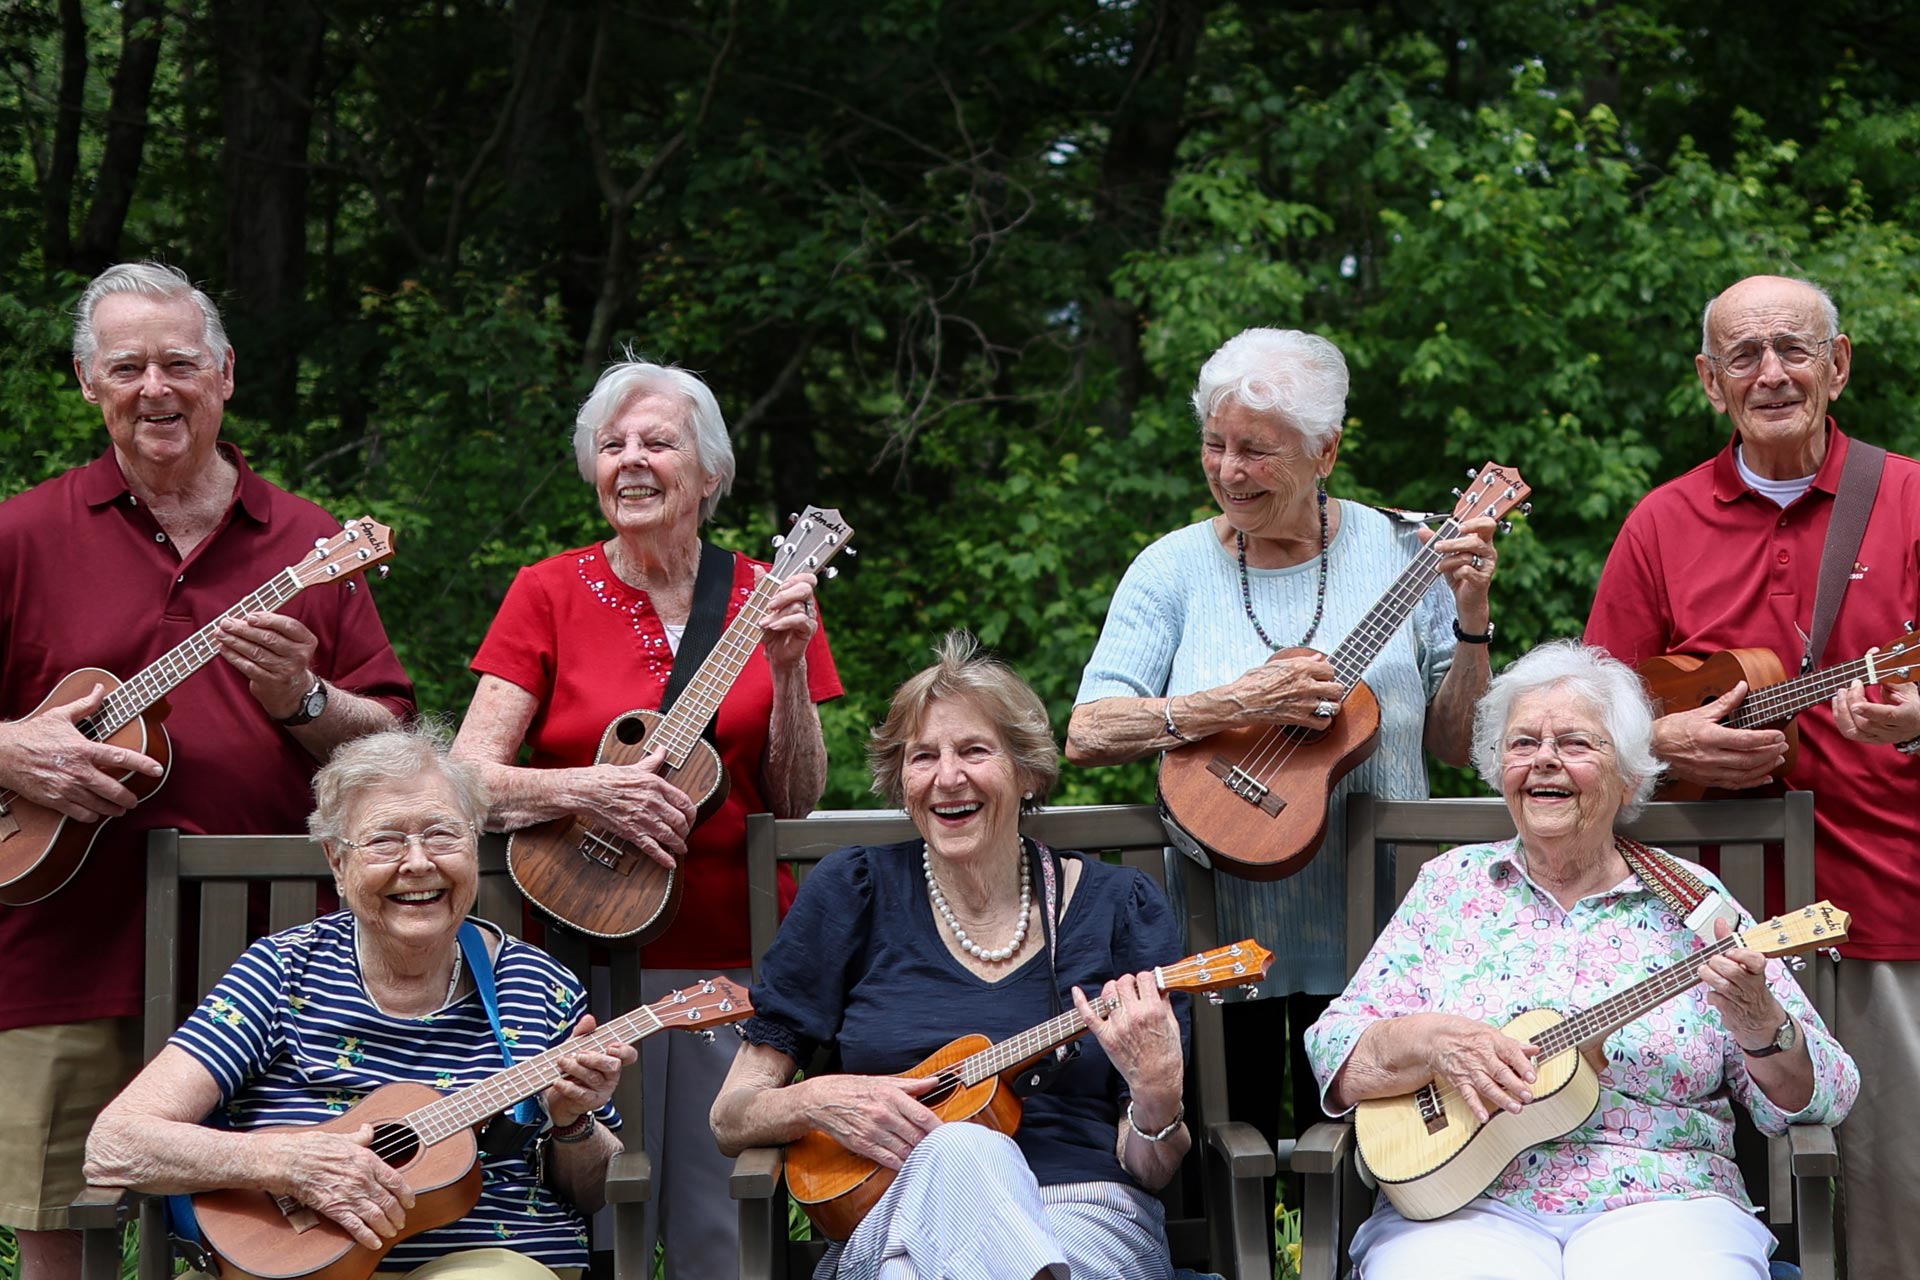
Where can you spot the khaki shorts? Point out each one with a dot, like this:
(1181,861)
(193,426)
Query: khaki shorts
(57,1080)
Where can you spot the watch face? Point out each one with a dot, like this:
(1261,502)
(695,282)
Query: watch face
(1788,1034)
(316,702)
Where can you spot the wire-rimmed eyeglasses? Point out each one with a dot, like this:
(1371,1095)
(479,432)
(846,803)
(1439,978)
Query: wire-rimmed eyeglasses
(439,840)
(1792,350)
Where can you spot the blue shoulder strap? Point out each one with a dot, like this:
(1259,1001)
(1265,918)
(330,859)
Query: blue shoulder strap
(474,947)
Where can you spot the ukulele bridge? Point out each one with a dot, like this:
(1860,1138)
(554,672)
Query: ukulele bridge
(1427,1099)
(298,1216)
(1246,786)
(609,852)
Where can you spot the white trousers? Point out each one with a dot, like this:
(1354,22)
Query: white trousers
(1708,1238)
(681,1073)
(966,1207)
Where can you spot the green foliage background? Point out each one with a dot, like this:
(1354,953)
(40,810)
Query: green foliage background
(953,268)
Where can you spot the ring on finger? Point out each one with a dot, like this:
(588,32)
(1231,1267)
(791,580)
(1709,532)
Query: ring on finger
(1478,561)
(1325,709)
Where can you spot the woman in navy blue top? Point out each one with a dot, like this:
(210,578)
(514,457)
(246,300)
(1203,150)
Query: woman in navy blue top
(891,952)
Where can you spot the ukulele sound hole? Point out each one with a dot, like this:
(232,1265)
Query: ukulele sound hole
(936,1096)
(396,1144)
(630,731)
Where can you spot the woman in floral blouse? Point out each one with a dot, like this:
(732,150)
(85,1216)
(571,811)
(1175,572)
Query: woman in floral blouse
(1557,918)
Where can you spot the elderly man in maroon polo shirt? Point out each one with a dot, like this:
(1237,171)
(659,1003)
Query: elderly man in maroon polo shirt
(110,565)
(1728,556)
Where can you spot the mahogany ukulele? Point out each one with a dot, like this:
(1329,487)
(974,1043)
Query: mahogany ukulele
(429,1136)
(1681,681)
(1431,1155)
(837,1187)
(41,848)
(595,879)
(1252,802)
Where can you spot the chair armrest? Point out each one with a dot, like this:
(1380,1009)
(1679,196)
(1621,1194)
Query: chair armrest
(97,1207)
(1812,1151)
(756,1173)
(1323,1148)
(629,1178)
(1244,1151)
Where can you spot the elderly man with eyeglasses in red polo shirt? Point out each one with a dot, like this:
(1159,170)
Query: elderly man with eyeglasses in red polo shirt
(111,565)
(1730,555)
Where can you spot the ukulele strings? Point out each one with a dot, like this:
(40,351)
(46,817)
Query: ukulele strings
(1558,1039)
(1275,749)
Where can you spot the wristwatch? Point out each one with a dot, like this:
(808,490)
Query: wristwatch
(312,706)
(1467,637)
(1784,1039)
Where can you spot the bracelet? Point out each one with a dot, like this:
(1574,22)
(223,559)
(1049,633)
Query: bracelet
(1467,637)
(1911,747)
(1173,730)
(1179,1114)
(575,1132)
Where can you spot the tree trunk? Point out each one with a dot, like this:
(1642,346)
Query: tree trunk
(1134,176)
(269,59)
(99,248)
(56,239)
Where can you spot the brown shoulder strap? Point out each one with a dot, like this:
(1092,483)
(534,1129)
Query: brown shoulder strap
(1859,481)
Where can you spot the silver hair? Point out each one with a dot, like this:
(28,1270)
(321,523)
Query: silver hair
(1300,376)
(1009,703)
(149,280)
(1607,684)
(1828,311)
(395,755)
(623,380)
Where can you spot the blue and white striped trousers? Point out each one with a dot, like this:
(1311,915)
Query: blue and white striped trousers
(966,1207)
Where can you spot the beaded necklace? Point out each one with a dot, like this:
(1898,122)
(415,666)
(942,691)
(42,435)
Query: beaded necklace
(967,944)
(1319,597)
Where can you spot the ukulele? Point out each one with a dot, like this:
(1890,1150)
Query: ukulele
(837,1187)
(1431,1155)
(594,879)
(1680,682)
(430,1137)
(1252,802)
(41,848)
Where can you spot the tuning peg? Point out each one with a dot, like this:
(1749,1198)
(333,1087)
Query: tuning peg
(1526,508)
(384,570)
(779,540)
(1472,472)
(1456,491)
(854,551)
(1506,526)
(831,571)
(1214,997)
(705,1035)
(793,517)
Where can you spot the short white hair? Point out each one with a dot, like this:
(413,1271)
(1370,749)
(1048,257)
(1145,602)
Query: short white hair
(1828,311)
(1302,377)
(1604,682)
(623,380)
(364,765)
(149,280)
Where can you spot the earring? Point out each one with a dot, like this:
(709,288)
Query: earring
(1320,483)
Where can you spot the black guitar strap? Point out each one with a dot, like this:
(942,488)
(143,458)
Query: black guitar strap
(1038,1077)
(712,584)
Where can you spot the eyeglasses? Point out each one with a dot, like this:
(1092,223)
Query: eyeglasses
(1794,352)
(1568,746)
(438,840)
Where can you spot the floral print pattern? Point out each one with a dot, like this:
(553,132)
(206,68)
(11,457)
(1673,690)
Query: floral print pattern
(1476,937)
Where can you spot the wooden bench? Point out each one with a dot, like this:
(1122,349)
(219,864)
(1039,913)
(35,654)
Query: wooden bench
(1228,1232)
(218,871)
(1792,1175)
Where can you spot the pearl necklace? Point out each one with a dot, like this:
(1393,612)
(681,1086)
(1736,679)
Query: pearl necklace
(967,944)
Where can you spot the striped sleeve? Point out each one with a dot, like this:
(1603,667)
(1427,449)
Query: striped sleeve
(235,1031)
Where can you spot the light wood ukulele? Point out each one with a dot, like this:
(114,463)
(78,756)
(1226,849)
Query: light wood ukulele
(594,879)
(837,1187)
(1431,1155)
(430,1137)
(42,848)
(1683,681)
(1252,802)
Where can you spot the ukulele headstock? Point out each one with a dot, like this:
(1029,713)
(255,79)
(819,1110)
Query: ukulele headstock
(711,1002)
(817,536)
(1818,927)
(1241,964)
(1897,663)
(1495,490)
(358,547)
